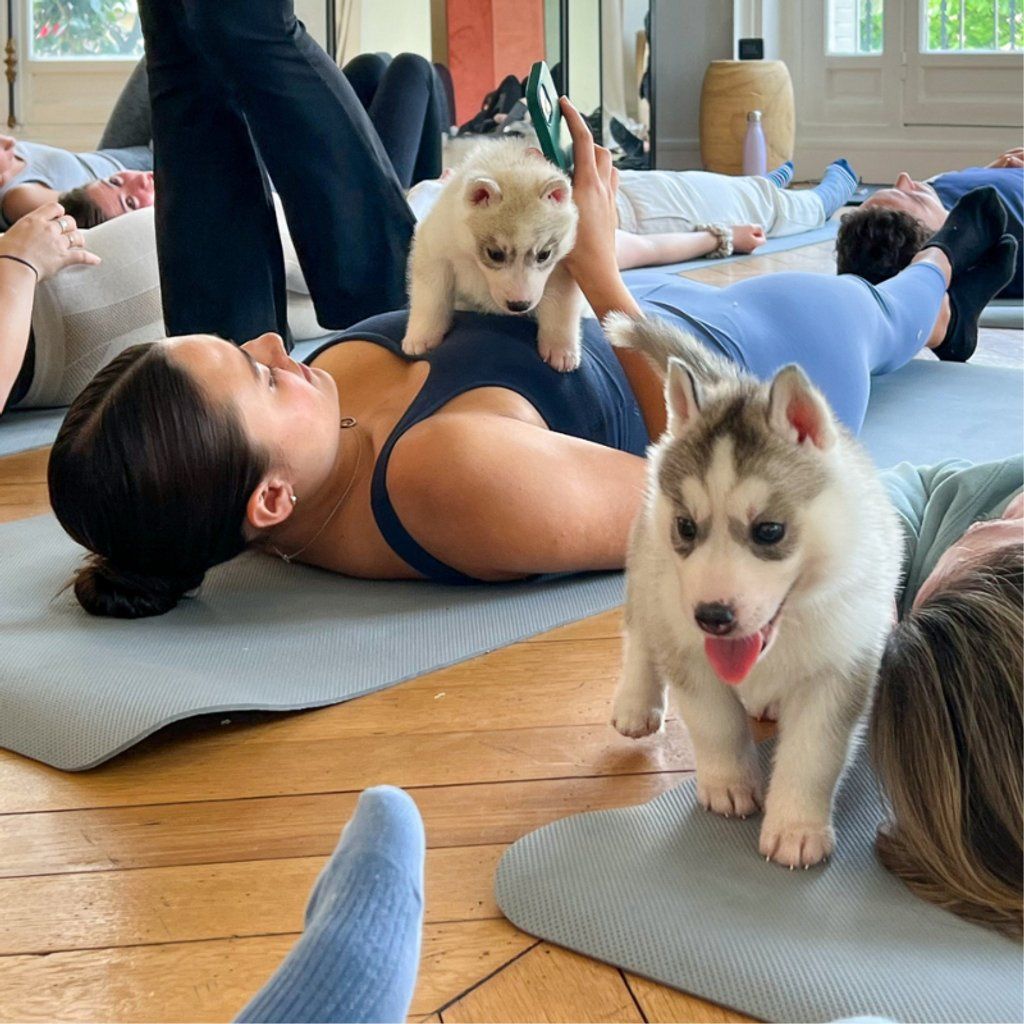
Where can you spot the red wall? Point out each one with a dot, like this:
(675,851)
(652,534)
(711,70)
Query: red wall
(487,40)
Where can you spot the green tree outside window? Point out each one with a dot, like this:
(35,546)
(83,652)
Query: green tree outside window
(103,29)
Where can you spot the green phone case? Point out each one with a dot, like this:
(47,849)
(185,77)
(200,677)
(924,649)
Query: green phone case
(546,115)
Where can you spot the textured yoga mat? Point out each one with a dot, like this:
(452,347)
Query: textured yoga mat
(681,896)
(75,690)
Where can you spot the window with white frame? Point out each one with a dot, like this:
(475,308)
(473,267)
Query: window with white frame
(84,30)
(855,27)
(972,26)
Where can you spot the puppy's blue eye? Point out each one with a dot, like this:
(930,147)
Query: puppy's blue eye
(768,533)
(685,530)
(496,255)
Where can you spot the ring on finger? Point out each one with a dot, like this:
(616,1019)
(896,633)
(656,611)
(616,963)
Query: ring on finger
(62,223)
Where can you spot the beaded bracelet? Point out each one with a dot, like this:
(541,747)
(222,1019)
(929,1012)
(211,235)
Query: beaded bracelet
(18,259)
(724,236)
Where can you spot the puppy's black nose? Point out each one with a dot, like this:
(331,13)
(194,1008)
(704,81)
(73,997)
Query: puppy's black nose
(715,618)
(518,307)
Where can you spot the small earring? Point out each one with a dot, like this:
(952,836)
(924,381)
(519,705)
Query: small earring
(294,499)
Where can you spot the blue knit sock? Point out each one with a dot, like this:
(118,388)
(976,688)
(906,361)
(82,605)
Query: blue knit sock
(837,186)
(782,175)
(357,958)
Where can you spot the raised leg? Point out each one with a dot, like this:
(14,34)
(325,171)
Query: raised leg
(639,706)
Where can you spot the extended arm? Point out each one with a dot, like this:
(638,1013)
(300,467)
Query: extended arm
(24,199)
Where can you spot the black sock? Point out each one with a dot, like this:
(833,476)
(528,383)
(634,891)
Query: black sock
(970,293)
(973,226)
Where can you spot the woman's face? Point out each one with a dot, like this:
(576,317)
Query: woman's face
(123,192)
(980,540)
(289,410)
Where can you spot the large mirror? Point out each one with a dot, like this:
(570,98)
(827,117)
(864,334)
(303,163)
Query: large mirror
(599,52)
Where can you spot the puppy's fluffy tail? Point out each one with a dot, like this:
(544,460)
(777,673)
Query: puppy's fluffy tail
(660,341)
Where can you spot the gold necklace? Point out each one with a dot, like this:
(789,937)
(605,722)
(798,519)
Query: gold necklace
(346,423)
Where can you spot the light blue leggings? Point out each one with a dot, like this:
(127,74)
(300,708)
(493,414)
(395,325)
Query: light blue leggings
(839,330)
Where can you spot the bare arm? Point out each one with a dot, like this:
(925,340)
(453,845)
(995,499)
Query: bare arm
(498,498)
(26,198)
(592,261)
(41,243)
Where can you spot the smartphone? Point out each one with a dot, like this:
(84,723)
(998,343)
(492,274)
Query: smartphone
(546,115)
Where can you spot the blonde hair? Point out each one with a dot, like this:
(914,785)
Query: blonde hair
(946,741)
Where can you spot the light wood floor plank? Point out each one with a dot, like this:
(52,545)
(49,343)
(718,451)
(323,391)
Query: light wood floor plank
(547,984)
(663,1005)
(211,981)
(51,913)
(299,826)
(291,764)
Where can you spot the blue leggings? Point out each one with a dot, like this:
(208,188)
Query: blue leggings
(839,330)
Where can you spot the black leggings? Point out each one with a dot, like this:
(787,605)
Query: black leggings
(405,102)
(238,91)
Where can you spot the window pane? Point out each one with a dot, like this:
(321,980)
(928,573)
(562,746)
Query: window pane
(973,26)
(101,29)
(855,26)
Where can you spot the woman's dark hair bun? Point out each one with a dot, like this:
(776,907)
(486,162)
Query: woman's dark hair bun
(103,589)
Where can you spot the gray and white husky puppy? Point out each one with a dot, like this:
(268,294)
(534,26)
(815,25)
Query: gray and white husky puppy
(493,242)
(761,572)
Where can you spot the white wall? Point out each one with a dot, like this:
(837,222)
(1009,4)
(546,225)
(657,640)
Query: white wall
(690,35)
(857,108)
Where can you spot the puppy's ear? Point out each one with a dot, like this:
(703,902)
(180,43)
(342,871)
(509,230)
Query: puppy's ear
(555,190)
(798,411)
(682,397)
(535,152)
(483,192)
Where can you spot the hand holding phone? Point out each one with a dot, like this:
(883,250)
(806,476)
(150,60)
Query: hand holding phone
(546,115)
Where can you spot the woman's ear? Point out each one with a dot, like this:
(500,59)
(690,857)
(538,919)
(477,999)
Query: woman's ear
(270,504)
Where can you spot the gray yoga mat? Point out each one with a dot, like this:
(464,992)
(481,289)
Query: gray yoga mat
(76,690)
(1006,313)
(261,635)
(681,896)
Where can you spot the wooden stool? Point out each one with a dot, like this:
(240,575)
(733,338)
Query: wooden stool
(732,88)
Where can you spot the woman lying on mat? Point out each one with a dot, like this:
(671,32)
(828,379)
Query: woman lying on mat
(37,247)
(478,463)
(113,176)
(665,216)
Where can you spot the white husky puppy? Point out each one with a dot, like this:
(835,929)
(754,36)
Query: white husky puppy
(761,572)
(494,241)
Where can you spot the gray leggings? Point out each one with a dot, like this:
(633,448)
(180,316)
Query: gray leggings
(129,123)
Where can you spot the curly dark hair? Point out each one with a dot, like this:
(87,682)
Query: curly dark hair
(876,243)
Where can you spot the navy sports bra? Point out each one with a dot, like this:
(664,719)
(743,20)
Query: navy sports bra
(594,403)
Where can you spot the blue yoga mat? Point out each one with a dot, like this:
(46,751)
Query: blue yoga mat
(679,895)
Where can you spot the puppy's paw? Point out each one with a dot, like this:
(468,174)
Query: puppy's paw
(636,719)
(738,797)
(420,343)
(796,844)
(558,355)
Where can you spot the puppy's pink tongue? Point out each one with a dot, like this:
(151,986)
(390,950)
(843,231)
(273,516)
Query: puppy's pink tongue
(732,660)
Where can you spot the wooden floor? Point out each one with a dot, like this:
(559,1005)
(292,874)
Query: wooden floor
(167,885)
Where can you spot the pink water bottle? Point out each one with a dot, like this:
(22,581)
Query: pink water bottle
(755,149)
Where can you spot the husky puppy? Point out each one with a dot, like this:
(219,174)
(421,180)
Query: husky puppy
(493,242)
(762,571)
